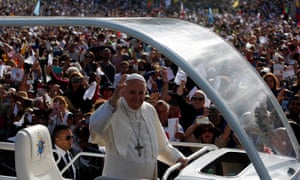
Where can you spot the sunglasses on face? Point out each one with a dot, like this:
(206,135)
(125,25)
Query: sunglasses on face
(198,98)
(67,138)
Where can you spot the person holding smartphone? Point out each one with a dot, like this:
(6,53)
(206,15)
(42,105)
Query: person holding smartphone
(59,113)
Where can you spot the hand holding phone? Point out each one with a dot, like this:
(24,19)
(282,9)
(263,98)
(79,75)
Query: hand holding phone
(202,120)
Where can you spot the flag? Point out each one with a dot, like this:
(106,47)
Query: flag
(236,4)
(182,14)
(285,10)
(36,10)
(210,16)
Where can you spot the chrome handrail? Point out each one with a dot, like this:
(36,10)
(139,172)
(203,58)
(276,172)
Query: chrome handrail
(191,144)
(193,156)
(58,155)
(7,146)
(78,155)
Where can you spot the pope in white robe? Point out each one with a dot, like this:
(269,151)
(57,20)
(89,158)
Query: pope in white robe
(131,132)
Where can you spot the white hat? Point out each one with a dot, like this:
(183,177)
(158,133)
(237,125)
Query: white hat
(72,69)
(136,76)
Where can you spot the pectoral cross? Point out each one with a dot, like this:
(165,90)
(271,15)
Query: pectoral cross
(139,148)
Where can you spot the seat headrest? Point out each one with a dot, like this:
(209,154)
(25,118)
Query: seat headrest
(40,139)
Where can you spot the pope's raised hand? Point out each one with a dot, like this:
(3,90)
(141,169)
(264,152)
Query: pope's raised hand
(117,92)
(122,82)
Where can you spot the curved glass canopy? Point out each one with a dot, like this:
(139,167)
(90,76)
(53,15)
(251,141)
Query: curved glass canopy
(216,67)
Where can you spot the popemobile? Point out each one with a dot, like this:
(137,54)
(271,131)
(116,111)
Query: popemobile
(228,80)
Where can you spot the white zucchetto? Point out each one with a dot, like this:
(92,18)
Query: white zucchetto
(135,76)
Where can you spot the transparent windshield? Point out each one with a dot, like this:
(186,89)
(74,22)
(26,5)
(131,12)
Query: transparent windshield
(245,94)
(229,80)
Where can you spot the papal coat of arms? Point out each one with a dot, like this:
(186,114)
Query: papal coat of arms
(40,145)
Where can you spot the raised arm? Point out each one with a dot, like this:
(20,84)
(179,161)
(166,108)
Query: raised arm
(99,120)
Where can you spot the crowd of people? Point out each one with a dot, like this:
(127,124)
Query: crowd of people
(61,75)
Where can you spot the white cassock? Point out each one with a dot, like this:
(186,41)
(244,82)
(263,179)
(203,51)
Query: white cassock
(120,129)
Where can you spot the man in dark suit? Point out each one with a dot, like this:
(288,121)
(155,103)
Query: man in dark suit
(63,139)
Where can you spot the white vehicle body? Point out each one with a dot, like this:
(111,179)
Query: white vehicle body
(234,86)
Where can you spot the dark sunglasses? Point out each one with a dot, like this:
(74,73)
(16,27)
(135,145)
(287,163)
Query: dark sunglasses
(68,138)
(198,98)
